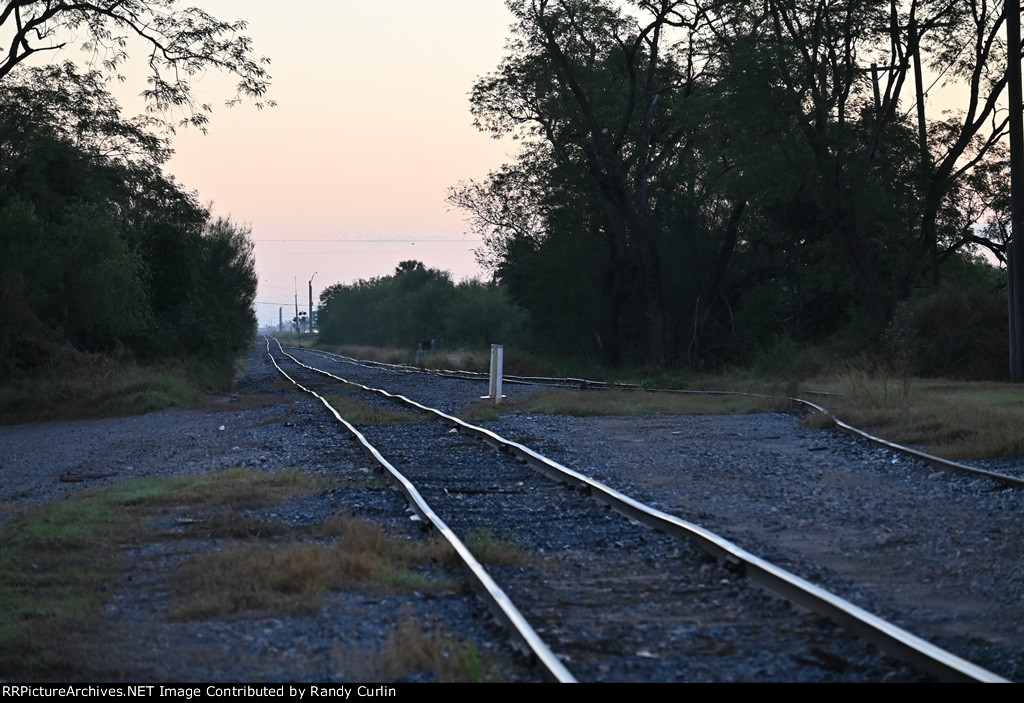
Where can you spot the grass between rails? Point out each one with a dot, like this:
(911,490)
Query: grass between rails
(358,412)
(58,566)
(953,419)
(626,402)
(493,551)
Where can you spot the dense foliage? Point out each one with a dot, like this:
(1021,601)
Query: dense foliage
(179,42)
(700,179)
(98,247)
(416,304)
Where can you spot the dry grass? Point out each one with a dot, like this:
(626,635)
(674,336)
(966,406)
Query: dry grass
(90,385)
(293,576)
(630,402)
(952,419)
(245,578)
(360,413)
(57,563)
(230,489)
(495,552)
(411,650)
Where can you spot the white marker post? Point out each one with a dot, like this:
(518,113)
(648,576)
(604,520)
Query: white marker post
(497,357)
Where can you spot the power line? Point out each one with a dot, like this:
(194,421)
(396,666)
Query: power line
(357,251)
(370,241)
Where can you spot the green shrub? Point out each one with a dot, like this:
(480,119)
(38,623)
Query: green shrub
(958,331)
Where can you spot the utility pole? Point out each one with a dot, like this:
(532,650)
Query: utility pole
(298,330)
(280,319)
(1014,250)
(311,302)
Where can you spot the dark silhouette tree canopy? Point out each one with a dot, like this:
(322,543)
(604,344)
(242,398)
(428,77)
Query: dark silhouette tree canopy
(182,42)
(99,248)
(701,179)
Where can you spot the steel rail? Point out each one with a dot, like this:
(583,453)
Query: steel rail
(567,382)
(499,602)
(930,459)
(886,636)
(933,461)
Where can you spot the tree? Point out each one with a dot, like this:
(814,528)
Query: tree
(692,153)
(616,95)
(99,248)
(413,304)
(182,42)
(841,73)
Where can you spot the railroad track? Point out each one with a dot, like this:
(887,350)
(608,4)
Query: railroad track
(585,384)
(615,602)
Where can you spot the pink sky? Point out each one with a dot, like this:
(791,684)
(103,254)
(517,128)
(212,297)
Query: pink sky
(371,128)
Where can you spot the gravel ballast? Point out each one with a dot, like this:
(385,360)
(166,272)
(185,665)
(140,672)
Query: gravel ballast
(936,553)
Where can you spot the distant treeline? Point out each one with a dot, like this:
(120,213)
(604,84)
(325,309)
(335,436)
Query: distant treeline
(99,248)
(417,303)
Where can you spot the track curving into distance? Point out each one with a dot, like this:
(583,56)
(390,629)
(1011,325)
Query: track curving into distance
(886,636)
(584,384)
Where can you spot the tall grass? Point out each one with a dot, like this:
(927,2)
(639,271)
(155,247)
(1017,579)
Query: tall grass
(954,419)
(75,384)
(959,420)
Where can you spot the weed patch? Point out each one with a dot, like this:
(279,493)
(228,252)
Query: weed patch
(492,551)
(58,563)
(246,579)
(410,650)
(360,413)
(629,402)
(954,420)
(79,385)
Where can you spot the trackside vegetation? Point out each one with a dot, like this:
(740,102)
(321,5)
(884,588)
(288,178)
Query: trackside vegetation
(414,304)
(705,186)
(101,252)
(702,184)
(60,565)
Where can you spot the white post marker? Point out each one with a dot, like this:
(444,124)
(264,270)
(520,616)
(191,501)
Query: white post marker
(497,357)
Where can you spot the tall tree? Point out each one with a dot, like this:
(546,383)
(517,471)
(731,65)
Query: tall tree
(706,148)
(840,77)
(181,42)
(609,92)
(99,248)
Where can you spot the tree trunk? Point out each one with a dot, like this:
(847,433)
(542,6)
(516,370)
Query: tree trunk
(709,290)
(1015,253)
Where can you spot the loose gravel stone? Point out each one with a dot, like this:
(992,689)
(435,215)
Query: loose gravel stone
(936,553)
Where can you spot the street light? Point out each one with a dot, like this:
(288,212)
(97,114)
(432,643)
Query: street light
(311,302)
